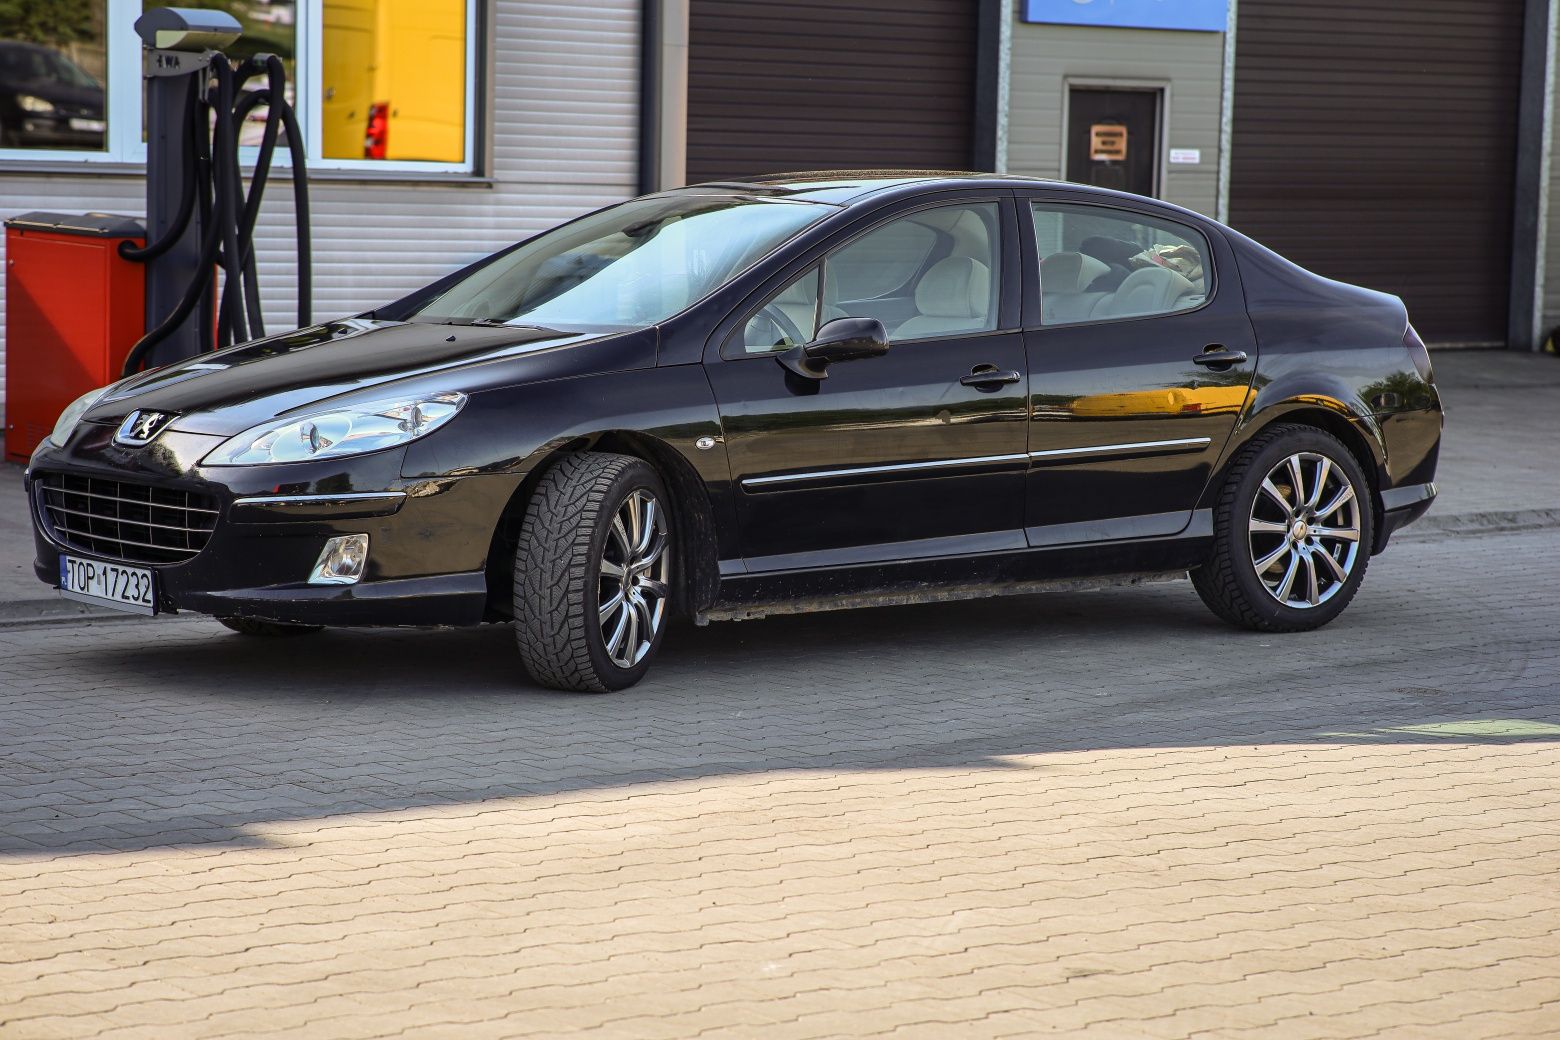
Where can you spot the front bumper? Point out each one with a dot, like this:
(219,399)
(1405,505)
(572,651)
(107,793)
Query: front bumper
(428,539)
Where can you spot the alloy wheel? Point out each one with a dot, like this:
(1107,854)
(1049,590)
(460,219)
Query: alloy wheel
(634,585)
(1305,530)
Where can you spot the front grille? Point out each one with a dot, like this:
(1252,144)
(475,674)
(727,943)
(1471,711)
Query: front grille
(136,523)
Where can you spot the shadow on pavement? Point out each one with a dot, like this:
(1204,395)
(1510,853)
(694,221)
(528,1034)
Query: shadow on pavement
(134,736)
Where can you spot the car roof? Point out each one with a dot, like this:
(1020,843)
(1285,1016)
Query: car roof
(843,187)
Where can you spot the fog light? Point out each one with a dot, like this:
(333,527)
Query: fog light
(341,561)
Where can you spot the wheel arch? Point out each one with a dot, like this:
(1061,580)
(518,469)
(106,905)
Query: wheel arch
(1354,428)
(698,579)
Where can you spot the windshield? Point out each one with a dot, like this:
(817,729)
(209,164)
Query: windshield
(634,264)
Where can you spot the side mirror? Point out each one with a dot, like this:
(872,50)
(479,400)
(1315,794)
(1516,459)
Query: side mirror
(843,339)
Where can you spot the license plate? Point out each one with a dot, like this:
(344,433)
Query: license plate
(92,126)
(108,584)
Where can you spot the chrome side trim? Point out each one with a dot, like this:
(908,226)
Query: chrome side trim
(1184,444)
(898,467)
(301,500)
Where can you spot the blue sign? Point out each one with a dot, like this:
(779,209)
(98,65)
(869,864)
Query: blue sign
(1195,15)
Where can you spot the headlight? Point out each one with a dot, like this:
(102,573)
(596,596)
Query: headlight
(34,104)
(73,413)
(348,430)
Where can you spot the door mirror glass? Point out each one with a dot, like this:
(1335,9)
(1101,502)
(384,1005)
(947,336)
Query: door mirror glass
(843,339)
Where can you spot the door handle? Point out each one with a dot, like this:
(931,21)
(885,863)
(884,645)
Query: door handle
(989,377)
(1218,358)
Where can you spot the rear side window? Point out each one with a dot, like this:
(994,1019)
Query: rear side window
(1100,264)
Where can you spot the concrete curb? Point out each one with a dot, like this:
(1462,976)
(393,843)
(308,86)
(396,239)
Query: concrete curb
(51,610)
(1434,526)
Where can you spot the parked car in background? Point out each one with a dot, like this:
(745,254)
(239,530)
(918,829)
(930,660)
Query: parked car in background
(47,100)
(736,399)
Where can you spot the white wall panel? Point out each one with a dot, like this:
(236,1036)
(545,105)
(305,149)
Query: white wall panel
(565,118)
(1045,57)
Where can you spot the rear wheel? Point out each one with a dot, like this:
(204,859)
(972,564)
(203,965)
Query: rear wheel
(267,629)
(593,573)
(1292,529)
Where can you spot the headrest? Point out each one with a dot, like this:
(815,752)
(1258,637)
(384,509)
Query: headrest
(956,287)
(803,290)
(965,226)
(1070,272)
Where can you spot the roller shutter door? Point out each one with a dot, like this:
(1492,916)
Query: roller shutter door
(1376,143)
(820,84)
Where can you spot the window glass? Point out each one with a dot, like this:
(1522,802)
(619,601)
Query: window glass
(935,272)
(53,64)
(1098,264)
(788,319)
(633,264)
(394,80)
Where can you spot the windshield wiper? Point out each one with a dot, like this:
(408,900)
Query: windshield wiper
(488,323)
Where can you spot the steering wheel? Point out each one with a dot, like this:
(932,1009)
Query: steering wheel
(783,322)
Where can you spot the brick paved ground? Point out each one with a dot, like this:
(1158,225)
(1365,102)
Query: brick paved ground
(1098,813)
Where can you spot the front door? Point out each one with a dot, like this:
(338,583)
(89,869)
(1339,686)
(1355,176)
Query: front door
(919,452)
(1113,138)
(1141,363)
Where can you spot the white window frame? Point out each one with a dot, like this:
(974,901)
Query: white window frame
(123,94)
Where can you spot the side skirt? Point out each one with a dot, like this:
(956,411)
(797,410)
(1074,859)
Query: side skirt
(905,595)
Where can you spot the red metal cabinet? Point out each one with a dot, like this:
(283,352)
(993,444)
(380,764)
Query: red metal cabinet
(73,309)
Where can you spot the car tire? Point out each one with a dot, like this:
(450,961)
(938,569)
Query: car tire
(267,629)
(593,572)
(1269,540)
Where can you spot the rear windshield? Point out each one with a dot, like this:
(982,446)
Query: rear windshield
(634,264)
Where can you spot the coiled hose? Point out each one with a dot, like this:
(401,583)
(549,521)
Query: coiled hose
(213,180)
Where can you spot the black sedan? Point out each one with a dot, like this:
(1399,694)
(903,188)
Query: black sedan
(47,100)
(738,399)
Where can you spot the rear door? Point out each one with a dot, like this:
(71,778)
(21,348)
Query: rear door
(1141,359)
(917,453)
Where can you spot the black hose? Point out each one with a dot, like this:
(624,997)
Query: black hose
(301,223)
(228,214)
(181,220)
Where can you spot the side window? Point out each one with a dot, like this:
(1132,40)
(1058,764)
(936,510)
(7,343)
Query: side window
(1098,264)
(787,319)
(933,273)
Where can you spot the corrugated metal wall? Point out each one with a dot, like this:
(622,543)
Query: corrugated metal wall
(829,84)
(1551,287)
(1376,143)
(565,137)
(1046,56)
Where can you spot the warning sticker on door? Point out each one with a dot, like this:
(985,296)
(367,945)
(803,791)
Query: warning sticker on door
(1107,142)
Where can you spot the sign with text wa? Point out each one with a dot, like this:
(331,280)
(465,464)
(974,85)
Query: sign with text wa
(1195,15)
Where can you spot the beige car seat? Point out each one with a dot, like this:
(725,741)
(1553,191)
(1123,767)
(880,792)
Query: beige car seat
(1064,287)
(954,296)
(1151,290)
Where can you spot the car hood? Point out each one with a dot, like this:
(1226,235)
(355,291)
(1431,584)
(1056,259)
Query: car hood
(229,391)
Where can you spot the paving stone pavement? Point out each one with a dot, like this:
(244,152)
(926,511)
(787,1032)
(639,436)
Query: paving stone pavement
(1097,814)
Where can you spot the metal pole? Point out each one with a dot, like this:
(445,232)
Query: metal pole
(168,126)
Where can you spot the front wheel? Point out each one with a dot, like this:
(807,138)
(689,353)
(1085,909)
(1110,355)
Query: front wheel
(1293,528)
(593,573)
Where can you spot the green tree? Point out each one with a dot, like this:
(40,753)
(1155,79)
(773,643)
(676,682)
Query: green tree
(53,22)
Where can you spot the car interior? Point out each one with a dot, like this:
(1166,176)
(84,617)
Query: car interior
(1113,269)
(933,273)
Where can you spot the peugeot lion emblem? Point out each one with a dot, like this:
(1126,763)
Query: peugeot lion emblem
(140,427)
